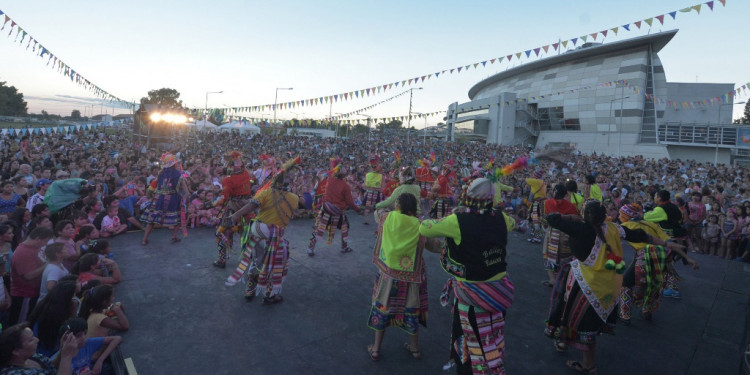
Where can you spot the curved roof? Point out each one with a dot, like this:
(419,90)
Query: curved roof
(657,41)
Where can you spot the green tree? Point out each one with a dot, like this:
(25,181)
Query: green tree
(75,115)
(745,119)
(163,97)
(11,101)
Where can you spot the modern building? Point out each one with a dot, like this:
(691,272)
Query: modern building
(598,98)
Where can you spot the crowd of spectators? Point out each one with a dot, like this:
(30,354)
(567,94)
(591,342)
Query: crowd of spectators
(59,268)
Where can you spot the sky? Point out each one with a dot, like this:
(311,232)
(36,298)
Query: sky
(247,49)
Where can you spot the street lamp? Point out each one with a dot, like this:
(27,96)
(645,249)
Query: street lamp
(205,114)
(368,125)
(277,99)
(718,129)
(408,126)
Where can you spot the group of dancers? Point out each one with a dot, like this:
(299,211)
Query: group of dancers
(583,253)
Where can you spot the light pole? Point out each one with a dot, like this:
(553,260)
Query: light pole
(276,99)
(424,131)
(612,120)
(205,114)
(368,125)
(408,126)
(718,129)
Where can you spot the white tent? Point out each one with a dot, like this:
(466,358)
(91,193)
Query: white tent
(241,126)
(203,125)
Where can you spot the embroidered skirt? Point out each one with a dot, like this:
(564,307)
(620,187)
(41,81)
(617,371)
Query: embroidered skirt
(398,303)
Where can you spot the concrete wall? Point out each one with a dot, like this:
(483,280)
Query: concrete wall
(608,143)
(681,91)
(701,154)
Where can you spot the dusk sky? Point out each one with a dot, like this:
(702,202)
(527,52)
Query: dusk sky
(249,48)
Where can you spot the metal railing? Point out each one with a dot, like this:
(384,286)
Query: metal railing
(708,135)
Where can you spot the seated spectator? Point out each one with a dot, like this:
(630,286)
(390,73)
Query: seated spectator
(54,270)
(80,219)
(90,263)
(49,315)
(122,214)
(103,313)
(92,210)
(111,225)
(18,353)
(92,352)
(85,235)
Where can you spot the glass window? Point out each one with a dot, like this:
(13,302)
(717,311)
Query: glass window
(473,113)
(553,118)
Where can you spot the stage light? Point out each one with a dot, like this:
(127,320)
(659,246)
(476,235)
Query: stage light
(155,117)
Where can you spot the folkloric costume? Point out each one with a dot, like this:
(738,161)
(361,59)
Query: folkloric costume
(407,186)
(320,190)
(373,185)
(399,297)
(475,258)
(265,234)
(539,194)
(425,177)
(585,295)
(236,192)
(164,208)
(556,250)
(266,171)
(644,279)
(443,192)
(669,217)
(332,216)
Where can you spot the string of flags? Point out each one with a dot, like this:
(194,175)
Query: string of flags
(43,52)
(526,55)
(310,122)
(59,129)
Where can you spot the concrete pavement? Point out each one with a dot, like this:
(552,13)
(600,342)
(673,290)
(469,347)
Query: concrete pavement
(184,320)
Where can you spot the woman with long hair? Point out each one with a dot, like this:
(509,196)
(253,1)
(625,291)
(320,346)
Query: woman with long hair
(585,305)
(50,313)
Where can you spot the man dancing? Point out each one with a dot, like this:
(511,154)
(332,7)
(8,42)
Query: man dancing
(266,233)
(332,216)
(236,192)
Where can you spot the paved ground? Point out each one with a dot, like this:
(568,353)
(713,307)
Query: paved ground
(185,321)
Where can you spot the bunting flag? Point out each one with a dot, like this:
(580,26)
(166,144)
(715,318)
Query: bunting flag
(59,65)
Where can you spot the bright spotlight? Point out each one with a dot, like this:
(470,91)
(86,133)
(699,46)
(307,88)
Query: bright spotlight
(155,117)
(168,117)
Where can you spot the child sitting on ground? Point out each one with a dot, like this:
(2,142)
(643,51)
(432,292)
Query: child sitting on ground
(102,312)
(111,225)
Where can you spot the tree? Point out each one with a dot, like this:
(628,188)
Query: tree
(163,97)
(75,115)
(11,101)
(745,119)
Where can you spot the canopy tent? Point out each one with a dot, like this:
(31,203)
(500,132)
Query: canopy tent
(202,125)
(241,126)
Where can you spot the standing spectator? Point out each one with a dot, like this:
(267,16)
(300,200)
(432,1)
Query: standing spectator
(54,270)
(26,274)
(41,189)
(9,200)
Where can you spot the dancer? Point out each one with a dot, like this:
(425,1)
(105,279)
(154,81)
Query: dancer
(165,206)
(407,185)
(332,216)
(442,191)
(266,231)
(585,298)
(266,171)
(538,195)
(235,193)
(475,258)
(644,279)
(669,217)
(556,251)
(373,185)
(399,297)
(425,177)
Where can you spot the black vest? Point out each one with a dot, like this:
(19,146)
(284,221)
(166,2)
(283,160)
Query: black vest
(481,254)
(673,224)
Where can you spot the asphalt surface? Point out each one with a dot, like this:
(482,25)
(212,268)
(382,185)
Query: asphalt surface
(186,321)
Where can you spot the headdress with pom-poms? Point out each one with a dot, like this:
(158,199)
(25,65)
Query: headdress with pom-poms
(279,176)
(236,158)
(335,166)
(374,159)
(168,160)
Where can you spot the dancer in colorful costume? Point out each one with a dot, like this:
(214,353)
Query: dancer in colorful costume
(584,299)
(442,191)
(399,297)
(265,234)
(475,258)
(266,171)
(538,195)
(556,251)
(669,217)
(407,185)
(332,215)
(425,177)
(235,194)
(644,279)
(373,185)
(166,204)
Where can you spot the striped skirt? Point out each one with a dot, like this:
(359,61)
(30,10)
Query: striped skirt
(329,219)
(556,250)
(398,303)
(371,198)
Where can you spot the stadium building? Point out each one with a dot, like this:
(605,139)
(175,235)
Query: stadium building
(570,99)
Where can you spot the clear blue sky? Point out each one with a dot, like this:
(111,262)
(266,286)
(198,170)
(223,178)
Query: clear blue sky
(248,48)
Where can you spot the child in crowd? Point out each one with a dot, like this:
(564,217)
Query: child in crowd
(711,233)
(102,312)
(55,270)
(85,236)
(89,268)
(111,225)
(92,352)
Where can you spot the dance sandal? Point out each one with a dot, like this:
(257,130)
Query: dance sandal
(374,354)
(273,300)
(560,346)
(249,296)
(578,367)
(416,354)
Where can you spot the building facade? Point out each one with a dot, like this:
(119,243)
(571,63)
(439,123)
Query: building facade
(597,98)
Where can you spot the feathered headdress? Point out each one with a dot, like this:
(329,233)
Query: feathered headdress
(335,166)
(278,177)
(398,157)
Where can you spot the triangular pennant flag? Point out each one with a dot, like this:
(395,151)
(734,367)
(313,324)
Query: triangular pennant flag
(518,55)
(723,2)
(509,57)
(565,44)
(697,8)
(475,65)
(593,35)
(554,46)
(686,10)
(648,21)
(710,5)
(673,14)
(637,24)
(614,30)
(604,33)
(491,61)
(536,50)
(545,48)
(660,18)
(584,38)
(528,53)
(459,68)
(626,27)
(574,40)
